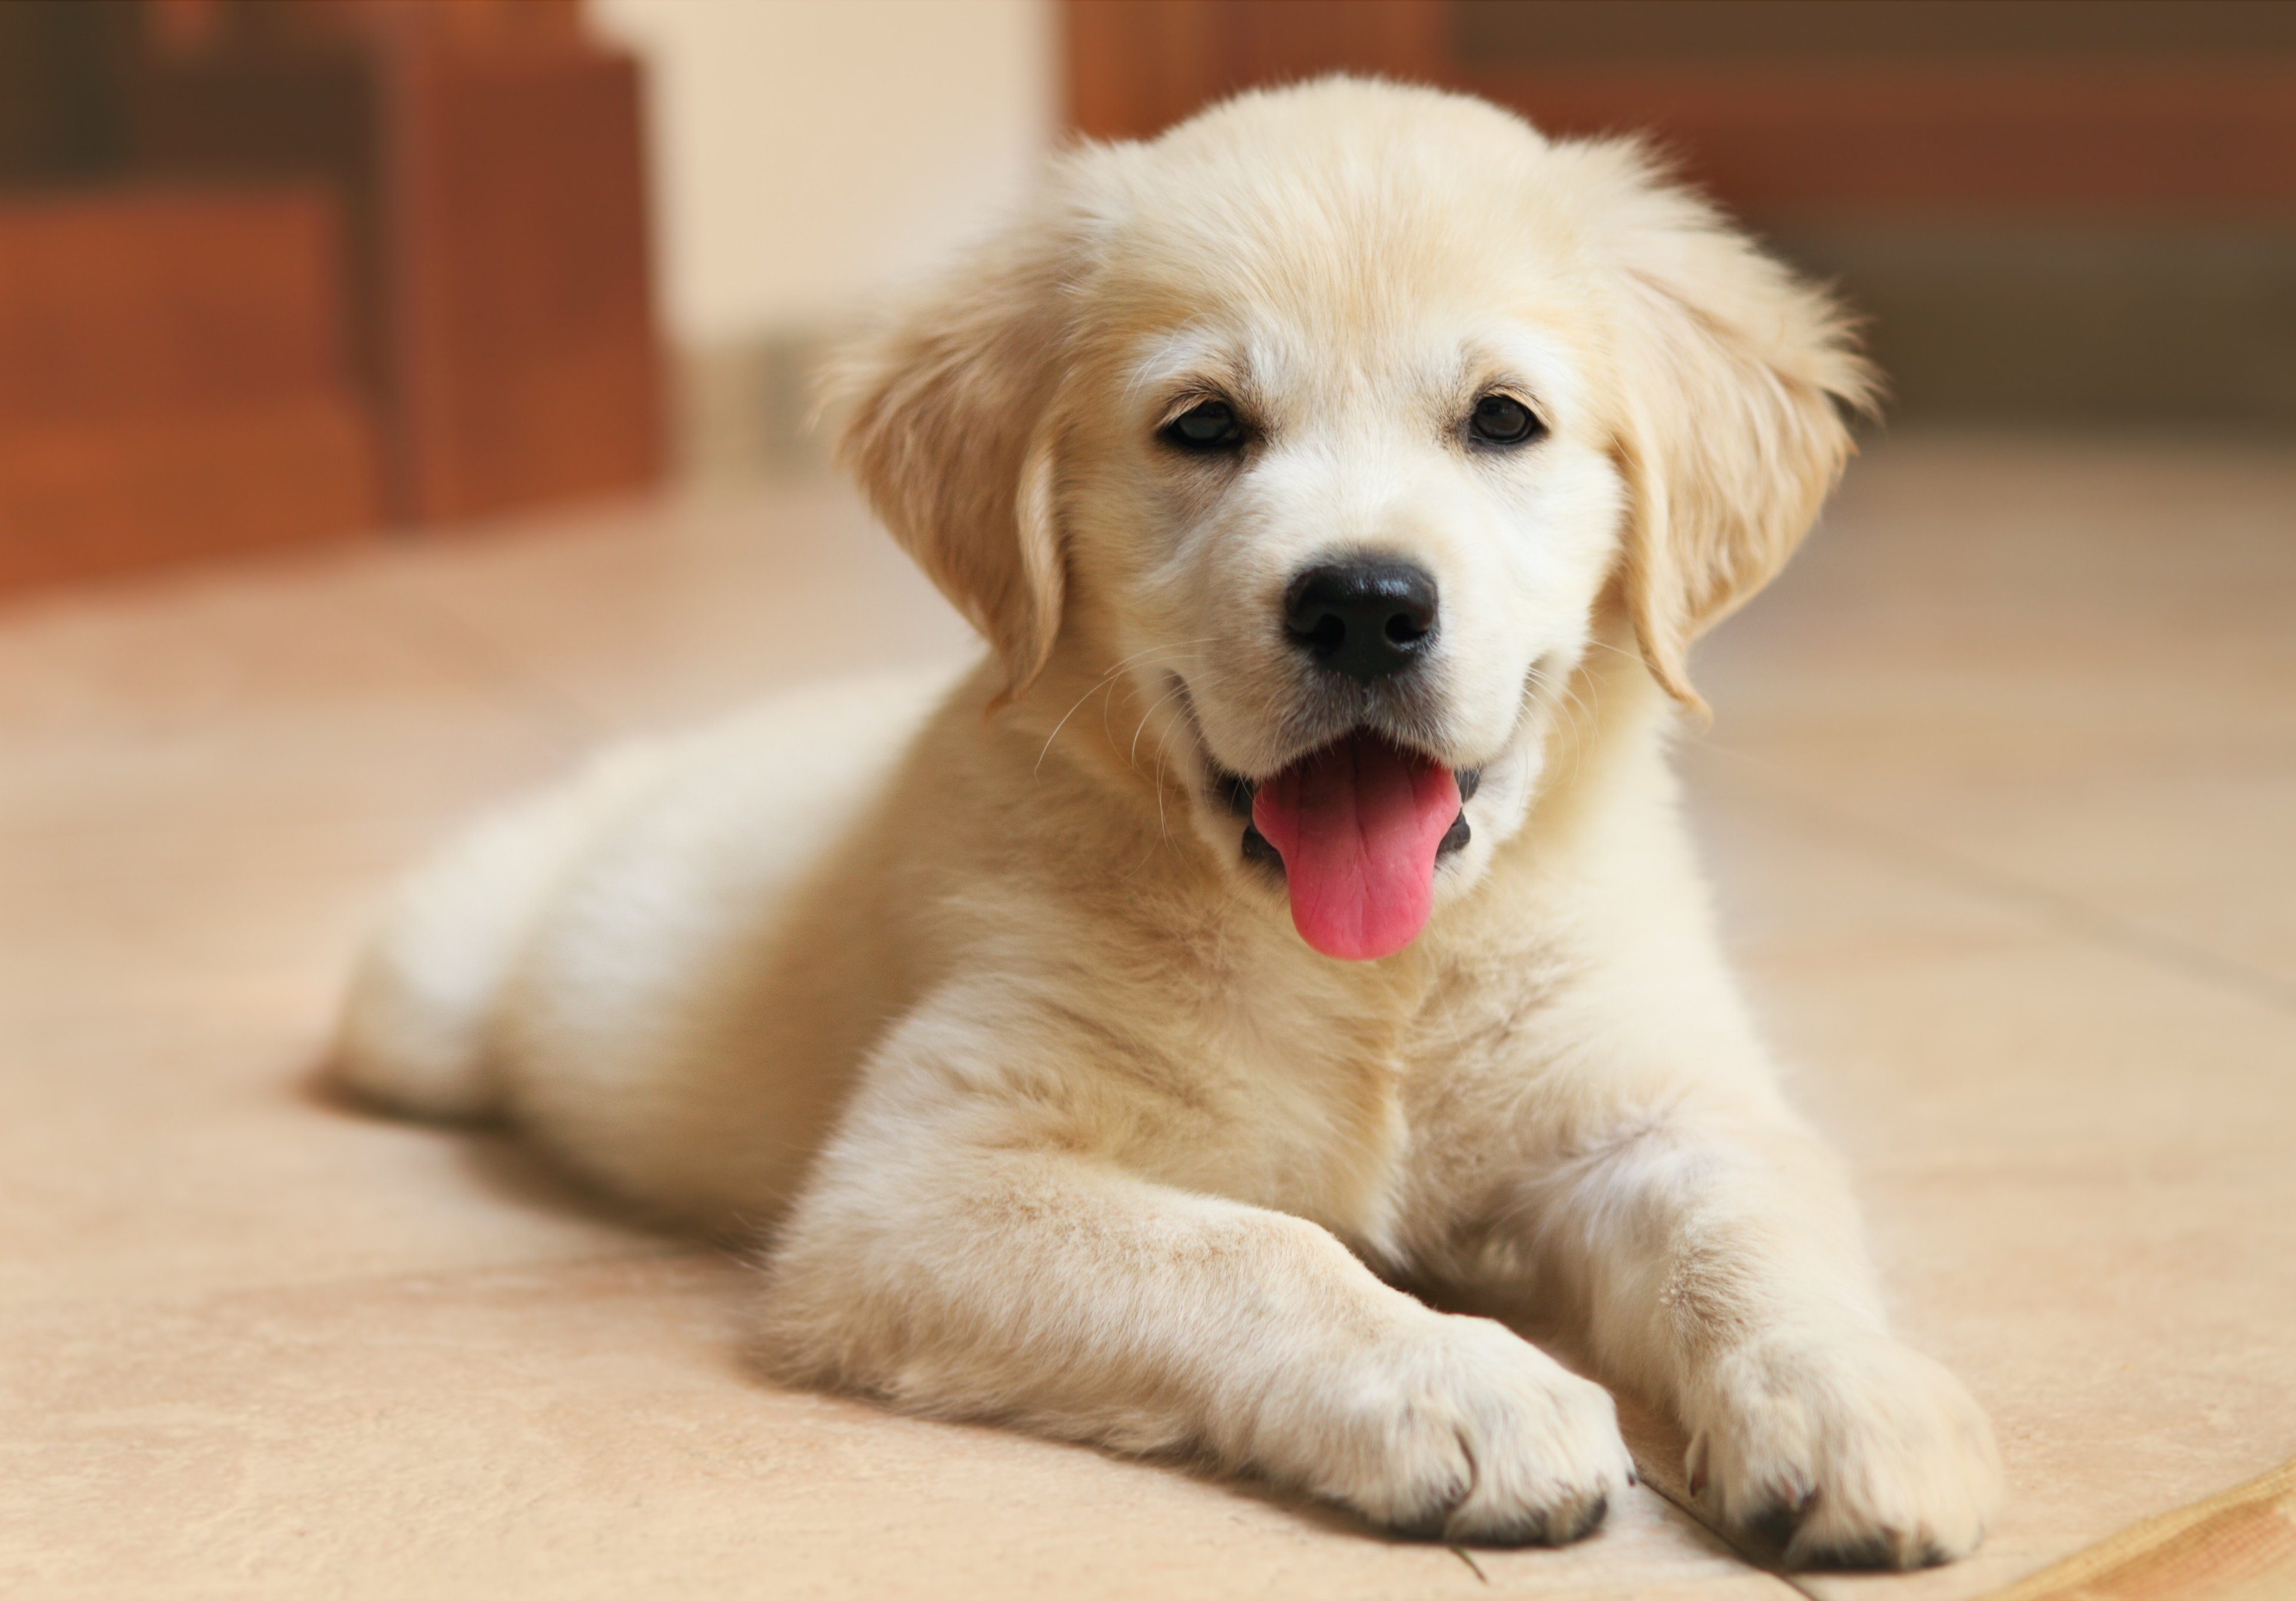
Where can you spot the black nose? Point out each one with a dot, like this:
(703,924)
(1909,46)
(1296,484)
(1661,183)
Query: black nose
(1364,619)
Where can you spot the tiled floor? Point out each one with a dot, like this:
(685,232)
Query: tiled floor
(2002,800)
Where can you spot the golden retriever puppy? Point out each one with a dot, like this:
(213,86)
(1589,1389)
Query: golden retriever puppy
(1294,903)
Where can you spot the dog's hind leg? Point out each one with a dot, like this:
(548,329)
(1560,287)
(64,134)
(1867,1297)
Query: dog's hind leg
(415,1034)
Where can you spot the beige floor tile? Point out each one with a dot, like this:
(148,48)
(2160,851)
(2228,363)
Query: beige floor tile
(245,646)
(133,883)
(2202,859)
(2076,1166)
(160,1154)
(1998,804)
(652,614)
(589,1430)
(2051,1048)
(1793,879)
(2071,666)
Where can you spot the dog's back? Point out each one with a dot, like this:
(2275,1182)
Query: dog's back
(678,865)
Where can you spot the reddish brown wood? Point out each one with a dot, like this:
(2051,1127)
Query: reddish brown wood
(489,157)
(172,381)
(1134,67)
(2189,136)
(527,363)
(2199,141)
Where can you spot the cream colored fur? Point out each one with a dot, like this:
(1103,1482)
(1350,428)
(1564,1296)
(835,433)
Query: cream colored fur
(964,999)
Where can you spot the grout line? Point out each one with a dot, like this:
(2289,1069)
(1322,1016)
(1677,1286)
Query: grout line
(1754,1559)
(2128,935)
(666,1250)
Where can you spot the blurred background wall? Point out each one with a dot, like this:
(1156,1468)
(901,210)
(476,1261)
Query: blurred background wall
(807,156)
(279,270)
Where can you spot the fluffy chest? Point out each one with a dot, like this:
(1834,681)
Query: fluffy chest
(1292,1095)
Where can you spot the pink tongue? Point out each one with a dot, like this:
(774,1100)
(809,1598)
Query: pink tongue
(1358,824)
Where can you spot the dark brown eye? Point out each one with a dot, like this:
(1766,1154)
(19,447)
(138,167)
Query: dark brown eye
(1210,426)
(1502,419)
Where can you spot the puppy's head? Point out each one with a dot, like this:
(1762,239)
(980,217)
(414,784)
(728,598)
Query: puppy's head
(1326,433)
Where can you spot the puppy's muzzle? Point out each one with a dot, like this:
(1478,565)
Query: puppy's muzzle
(1367,618)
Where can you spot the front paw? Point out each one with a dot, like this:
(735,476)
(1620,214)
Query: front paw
(1464,1431)
(1844,1450)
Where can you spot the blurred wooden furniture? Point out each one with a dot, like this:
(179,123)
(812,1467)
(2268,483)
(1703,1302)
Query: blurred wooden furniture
(276,269)
(1781,106)
(2068,212)
(489,158)
(173,382)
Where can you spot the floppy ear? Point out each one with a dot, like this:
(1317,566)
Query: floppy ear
(1728,435)
(949,431)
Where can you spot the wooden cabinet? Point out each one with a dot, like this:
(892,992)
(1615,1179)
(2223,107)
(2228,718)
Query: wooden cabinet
(289,269)
(173,380)
(2062,214)
(2152,109)
(489,157)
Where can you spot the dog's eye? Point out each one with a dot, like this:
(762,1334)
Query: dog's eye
(1502,419)
(1210,425)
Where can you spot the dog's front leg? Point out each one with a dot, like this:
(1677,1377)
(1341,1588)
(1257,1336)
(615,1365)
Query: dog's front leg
(978,1242)
(1718,1265)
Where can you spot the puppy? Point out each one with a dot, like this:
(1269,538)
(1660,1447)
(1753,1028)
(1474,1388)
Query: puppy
(1293,903)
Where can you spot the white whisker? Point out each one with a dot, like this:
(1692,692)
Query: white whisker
(1132,757)
(1104,681)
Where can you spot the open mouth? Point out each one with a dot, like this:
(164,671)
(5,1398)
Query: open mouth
(1357,827)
